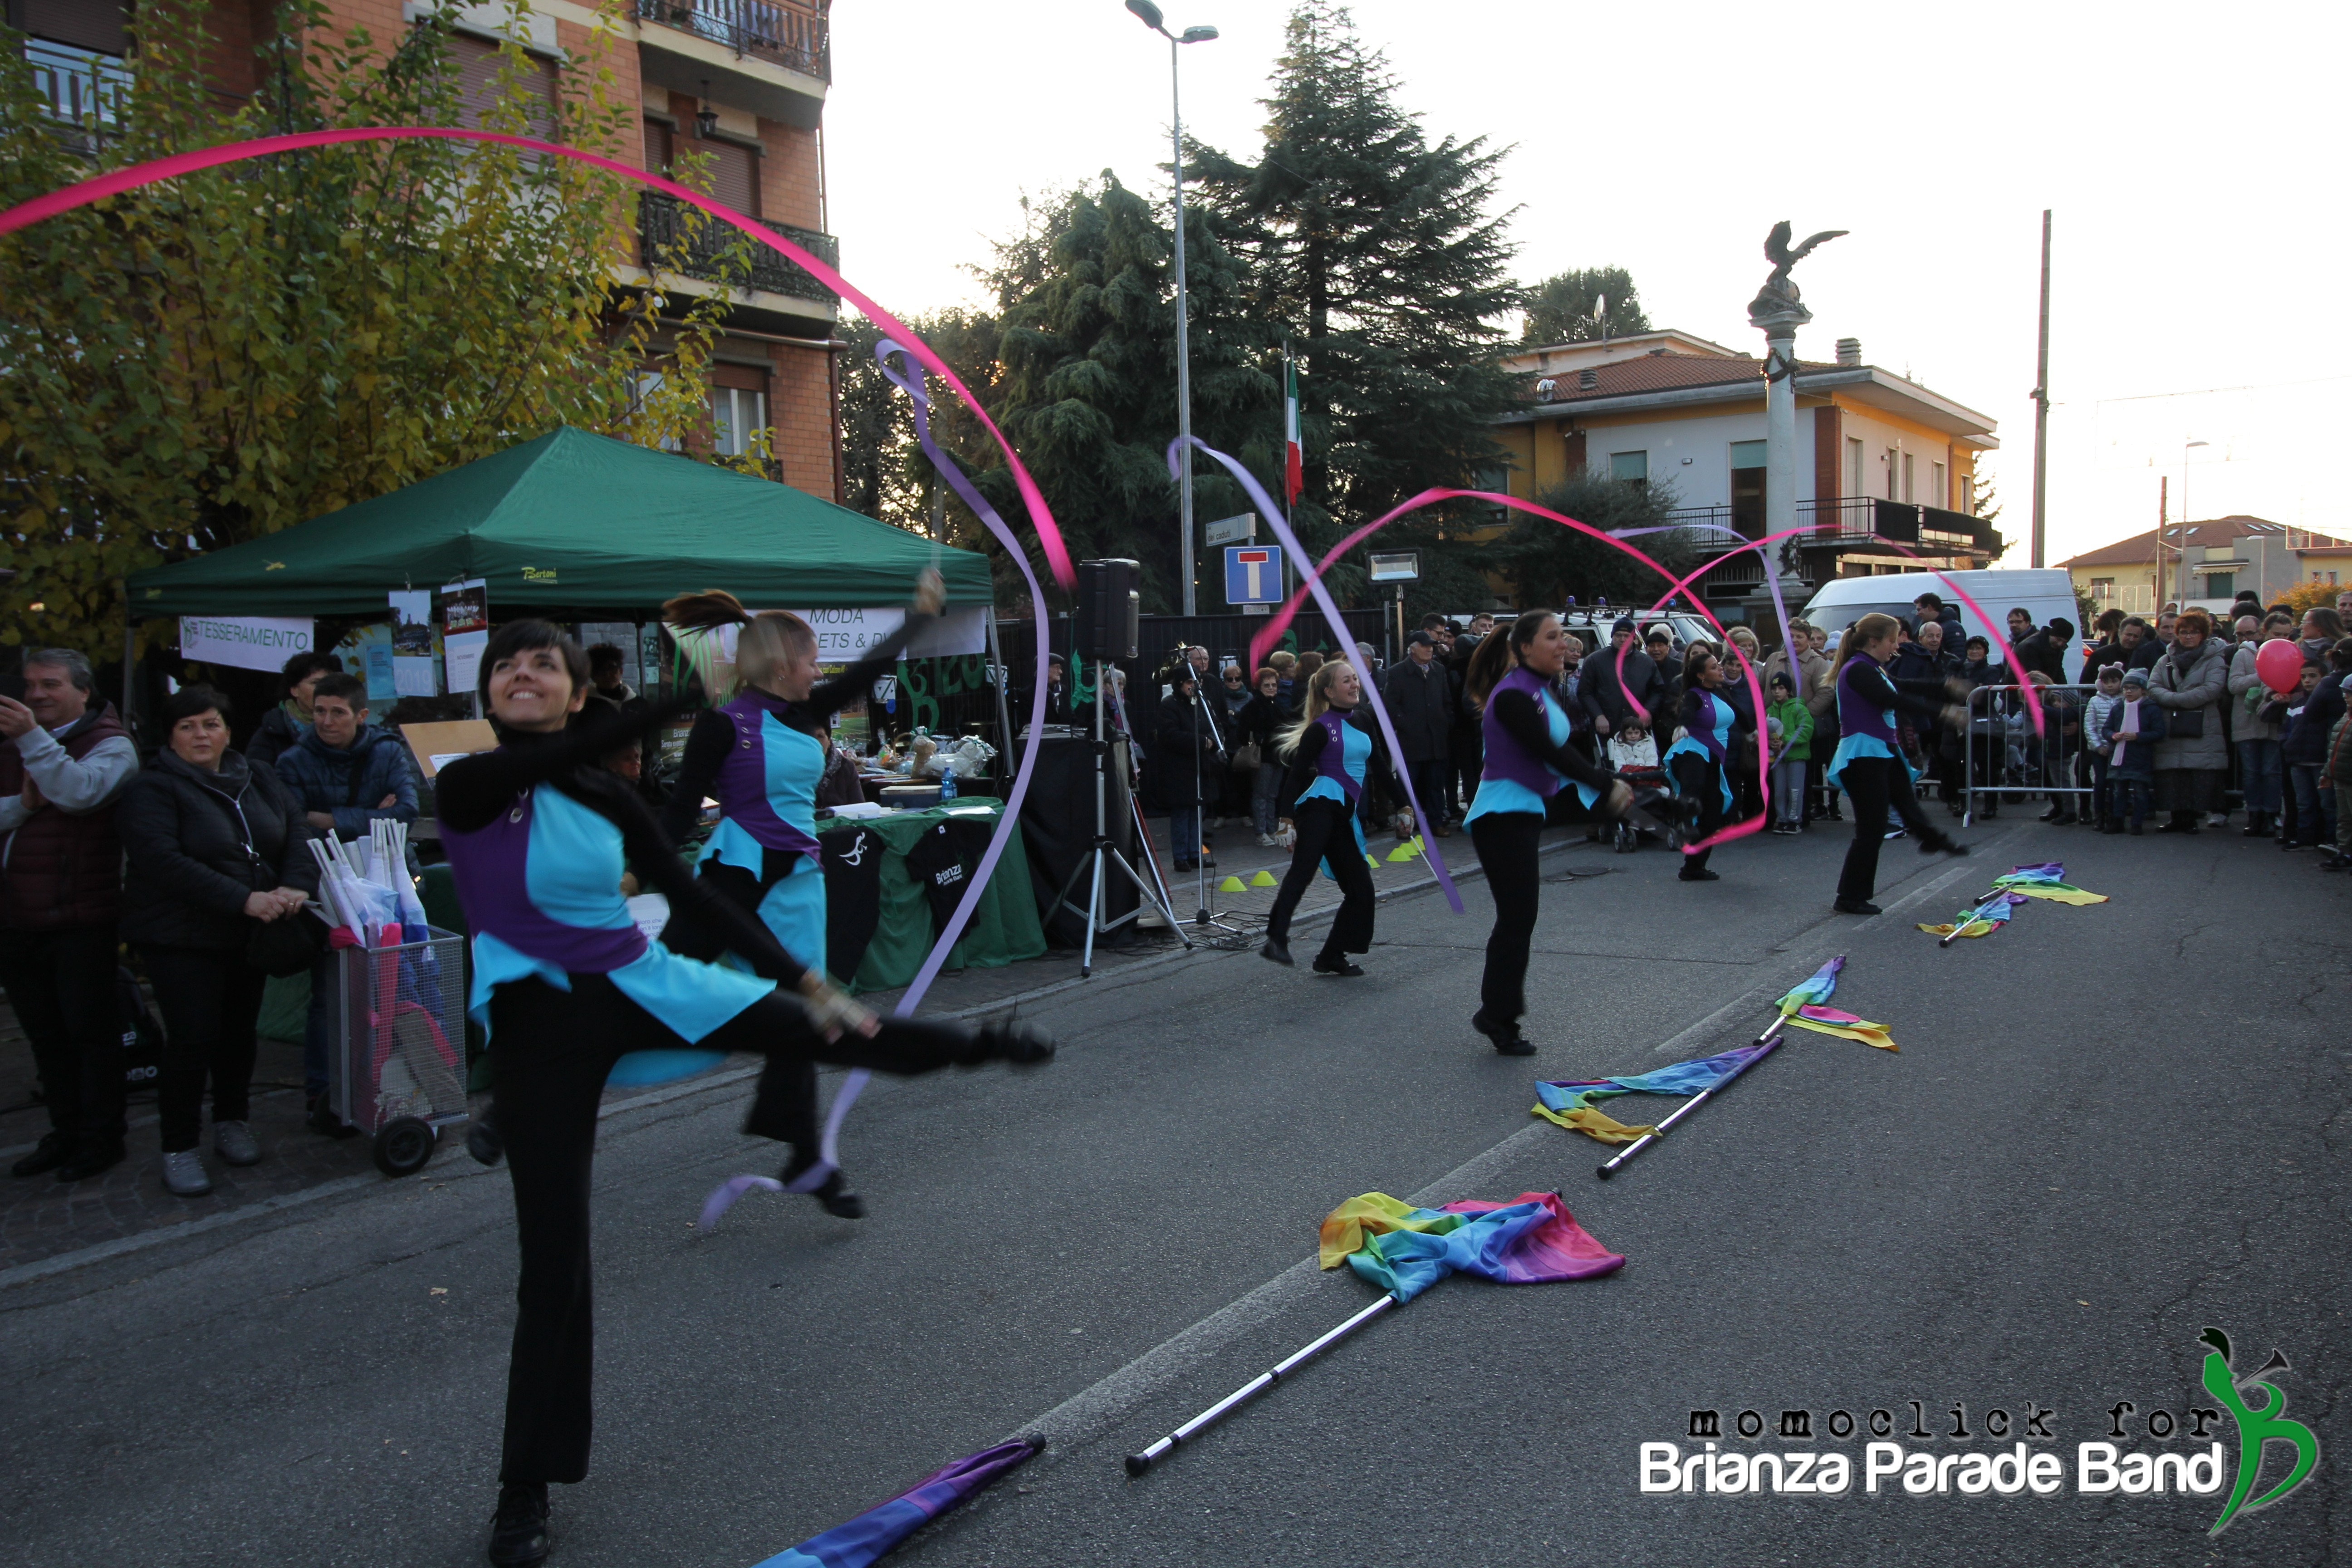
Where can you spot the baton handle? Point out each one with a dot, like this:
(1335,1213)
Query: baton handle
(1770,1038)
(1138,1463)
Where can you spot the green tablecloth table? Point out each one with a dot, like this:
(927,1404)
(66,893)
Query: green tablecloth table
(1003,929)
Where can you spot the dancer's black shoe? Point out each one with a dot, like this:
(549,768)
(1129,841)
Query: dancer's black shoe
(519,1529)
(1856,907)
(1505,1034)
(483,1142)
(1278,949)
(835,1194)
(1337,963)
(1022,1044)
(1701,875)
(1945,843)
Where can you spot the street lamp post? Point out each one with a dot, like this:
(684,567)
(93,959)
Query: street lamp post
(1151,17)
(2179,539)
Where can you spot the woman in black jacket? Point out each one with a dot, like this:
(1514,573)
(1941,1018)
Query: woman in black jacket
(1187,734)
(1259,724)
(216,847)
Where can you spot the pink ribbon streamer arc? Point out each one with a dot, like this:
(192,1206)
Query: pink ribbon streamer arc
(100,188)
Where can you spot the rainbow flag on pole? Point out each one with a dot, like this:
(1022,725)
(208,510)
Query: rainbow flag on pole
(2047,880)
(878,1528)
(1532,1240)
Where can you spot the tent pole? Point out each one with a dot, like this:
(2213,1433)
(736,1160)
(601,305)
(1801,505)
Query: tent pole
(1004,672)
(130,654)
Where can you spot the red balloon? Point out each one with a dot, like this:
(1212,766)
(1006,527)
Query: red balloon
(2279,662)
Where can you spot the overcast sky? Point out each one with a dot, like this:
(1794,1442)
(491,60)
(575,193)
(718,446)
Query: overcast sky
(2196,174)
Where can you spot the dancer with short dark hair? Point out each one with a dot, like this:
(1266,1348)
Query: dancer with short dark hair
(538,836)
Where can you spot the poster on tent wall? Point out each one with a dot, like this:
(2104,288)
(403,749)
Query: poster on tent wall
(366,652)
(245,642)
(465,629)
(415,652)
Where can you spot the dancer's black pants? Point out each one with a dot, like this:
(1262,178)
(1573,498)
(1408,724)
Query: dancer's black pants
(1700,778)
(785,1107)
(1874,783)
(1506,842)
(61,981)
(552,1050)
(1327,828)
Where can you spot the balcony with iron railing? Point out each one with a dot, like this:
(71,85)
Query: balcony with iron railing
(793,37)
(82,88)
(1845,525)
(663,241)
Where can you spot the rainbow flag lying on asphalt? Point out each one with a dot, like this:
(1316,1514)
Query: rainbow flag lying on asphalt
(1982,920)
(1570,1104)
(1816,988)
(2047,880)
(1405,1250)
(877,1530)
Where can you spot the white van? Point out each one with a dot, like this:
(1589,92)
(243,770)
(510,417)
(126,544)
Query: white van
(2046,595)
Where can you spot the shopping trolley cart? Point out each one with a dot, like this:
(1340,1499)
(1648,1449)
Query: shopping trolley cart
(397,1063)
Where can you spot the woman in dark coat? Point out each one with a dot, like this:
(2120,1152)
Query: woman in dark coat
(1260,723)
(215,848)
(1187,730)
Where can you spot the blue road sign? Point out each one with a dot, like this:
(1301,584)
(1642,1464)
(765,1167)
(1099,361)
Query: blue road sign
(1254,574)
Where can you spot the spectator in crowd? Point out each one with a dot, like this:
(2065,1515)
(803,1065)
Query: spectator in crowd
(345,774)
(1057,697)
(1420,701)
(1309,663)
(66,763)
(1282,662)
(2192,762)
(1932,610)
(1264,715)
(2139,729)
(2021,626)
(1796,659)
(2106,645)
(1198,658)
(1234,690)
(284,724)
(1922,668)
(1751,648)
(1988,744)
(605,663)
(1482,624)
(1367,659)
(1820,699)
(2323,628)
(1658,642)
(2254,735)
(1790,730)
(215,848)
(2137,639)
(2044,650)
(1187,762)
(2336,776)
(2167,620)
(1466,750)
(2098,739)
(2312,714)
(1624,686)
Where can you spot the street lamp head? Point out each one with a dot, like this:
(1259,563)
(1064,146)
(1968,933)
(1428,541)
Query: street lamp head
(2200,444)
(1149,14)
(1197,34)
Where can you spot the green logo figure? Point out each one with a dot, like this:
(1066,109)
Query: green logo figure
(2256,1427)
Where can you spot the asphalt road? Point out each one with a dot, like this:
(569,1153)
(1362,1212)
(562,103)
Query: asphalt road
(2107,1128)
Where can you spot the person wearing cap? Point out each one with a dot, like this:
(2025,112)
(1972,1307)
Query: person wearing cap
(2137,725)
(1621,684)
(1659,644)
(1420,694)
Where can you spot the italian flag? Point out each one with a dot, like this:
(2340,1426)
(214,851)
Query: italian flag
(1294,477)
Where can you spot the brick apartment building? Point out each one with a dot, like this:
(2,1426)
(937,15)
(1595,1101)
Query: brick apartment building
(742,81)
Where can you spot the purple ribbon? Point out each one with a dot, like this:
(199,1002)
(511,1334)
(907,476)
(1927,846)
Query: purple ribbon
(911,382)
(1339,625)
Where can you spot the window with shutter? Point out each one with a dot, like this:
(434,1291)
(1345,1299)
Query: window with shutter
(658,148)
(481,65)
(101,25)
(735,176)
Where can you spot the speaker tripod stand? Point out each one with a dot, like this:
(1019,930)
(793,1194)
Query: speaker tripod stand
(1104,858)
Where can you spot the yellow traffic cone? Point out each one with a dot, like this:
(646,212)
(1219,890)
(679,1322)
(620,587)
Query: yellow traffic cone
(1264,879)
(1409,850)
(1230,885)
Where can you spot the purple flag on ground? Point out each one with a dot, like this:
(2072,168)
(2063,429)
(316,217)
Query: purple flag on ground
(877,1530)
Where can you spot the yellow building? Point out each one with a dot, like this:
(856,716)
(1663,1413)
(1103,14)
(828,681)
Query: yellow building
(1882,462)
(2207,565)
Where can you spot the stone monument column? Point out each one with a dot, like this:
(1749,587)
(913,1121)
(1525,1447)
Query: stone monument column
(1778,311)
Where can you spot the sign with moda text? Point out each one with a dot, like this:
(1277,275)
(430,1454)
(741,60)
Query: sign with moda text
(844,637)
(2209,1447)
(245,642)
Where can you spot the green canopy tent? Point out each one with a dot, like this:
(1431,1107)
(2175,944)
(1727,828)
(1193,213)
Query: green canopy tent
(571,521)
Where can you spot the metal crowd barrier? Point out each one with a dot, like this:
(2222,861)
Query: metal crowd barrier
(2005,758)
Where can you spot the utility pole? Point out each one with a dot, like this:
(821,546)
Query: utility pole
(2042,404)
(2163,509)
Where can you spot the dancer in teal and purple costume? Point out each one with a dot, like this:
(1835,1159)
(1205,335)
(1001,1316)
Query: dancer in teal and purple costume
(760,756)
(1867,764)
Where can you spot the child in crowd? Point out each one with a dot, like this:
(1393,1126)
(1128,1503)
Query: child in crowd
(2098,739)
(2311,712)
(1634,755)
(1791,726)
(2138,726)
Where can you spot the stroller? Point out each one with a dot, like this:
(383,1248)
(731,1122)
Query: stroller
(1636,762)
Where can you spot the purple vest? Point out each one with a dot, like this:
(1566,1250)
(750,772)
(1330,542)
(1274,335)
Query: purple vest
(1857,714)
(1333,762)
(1709,734)
(491,866)
(1504,758)
(743,781)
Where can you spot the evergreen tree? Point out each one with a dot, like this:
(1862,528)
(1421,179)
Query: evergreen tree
(1568,307)
(1376,254)
(1551,564)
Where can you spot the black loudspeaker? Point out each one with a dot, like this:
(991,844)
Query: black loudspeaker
(1108,624)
